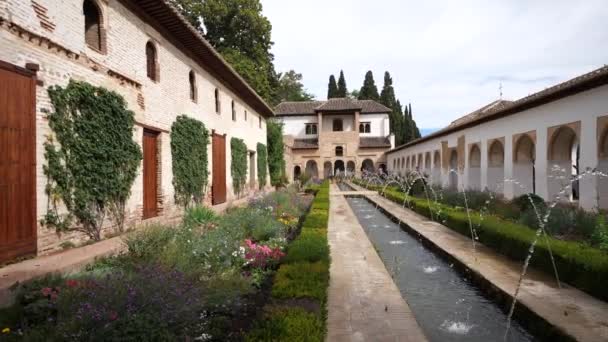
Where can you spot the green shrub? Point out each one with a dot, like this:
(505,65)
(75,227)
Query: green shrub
(600,235)
(197,216)
(524,202)
(288,325)
(149,242)
(309,247)
(302,280)
(316,219)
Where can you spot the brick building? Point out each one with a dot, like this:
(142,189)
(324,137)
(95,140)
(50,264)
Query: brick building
(143,50)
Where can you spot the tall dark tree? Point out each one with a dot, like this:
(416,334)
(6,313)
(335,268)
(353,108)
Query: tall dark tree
(332,88)
(291,88)
(369,91)
(342,91)
(387,98)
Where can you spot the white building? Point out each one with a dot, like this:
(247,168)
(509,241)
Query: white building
(145,51)
(536,144)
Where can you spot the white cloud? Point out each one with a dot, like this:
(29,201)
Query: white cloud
(446,57)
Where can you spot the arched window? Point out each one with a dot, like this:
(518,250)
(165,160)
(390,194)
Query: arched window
(245,115)
(365,127)
(337,125)
(339,151)
(151,62)
(93,26)
(217,101)
(192,80)
(233,110)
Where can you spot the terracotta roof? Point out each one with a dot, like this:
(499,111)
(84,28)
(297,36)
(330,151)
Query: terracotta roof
(167,20)
(331,105)
(303,144)
(374,142)
(593,79)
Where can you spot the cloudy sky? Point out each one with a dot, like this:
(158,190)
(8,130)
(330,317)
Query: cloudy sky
(446,57)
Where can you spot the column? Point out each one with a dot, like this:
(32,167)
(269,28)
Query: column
(588,185)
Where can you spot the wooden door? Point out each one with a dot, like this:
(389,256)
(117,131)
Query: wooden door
(218,186)
(17,162)
(150,173)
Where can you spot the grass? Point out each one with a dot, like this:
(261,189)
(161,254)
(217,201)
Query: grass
(577,263)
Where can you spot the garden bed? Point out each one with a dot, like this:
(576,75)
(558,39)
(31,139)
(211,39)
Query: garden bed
(578,264)
(206,278)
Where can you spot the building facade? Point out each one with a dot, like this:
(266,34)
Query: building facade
(143,50)
(324,138)
(553,143)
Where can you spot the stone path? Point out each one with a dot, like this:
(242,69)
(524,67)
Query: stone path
(574,312)
(364,303)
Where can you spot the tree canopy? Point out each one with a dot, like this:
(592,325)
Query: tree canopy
(332,88)
(342,91)
(291,88)
(369,91)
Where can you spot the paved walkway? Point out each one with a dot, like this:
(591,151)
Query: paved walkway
(576,313)
(364,303)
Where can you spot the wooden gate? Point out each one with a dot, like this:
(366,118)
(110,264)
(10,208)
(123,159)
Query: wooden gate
(218,186)
(150,174)
(17,162)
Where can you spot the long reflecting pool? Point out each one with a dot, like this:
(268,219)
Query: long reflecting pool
(447,305)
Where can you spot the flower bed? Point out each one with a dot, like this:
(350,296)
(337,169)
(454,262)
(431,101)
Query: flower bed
(203,279)
(578,264)
(298,312)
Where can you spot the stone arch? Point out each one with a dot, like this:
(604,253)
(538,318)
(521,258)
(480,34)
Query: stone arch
(427,161)
(367,165)
(437,167)
(327,170)
(563,164)
(496,167)
(338,167)
(407,163)
(419,160)
(474,170)
(524,171)
(394,164)
(311,169)
(453,170)
(297,171)
(350,166)
(94,28)
(402,163)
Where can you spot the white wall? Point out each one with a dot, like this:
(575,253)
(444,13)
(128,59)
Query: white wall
(348,122)
(296,125)
(379,124)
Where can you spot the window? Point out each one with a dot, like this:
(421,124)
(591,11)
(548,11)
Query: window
(92,25)
(245,115)
(365,127)
(339,151)
(337,125)
(217,101)
(311,128)
(151,62)
(233,111)
(192,80)
(260,121)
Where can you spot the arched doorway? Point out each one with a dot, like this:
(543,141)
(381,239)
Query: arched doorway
(338,167)
(367,165)
(602,189)
(474,171)
(327,171)
(427,162)
(407,163)
(437,168)
(453,170)
(563,164)
(496,167)
(350,166)
(311,169)
(382,168)
(296,172)
(523,166)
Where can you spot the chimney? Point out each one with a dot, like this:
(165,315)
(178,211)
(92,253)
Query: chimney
(392,139)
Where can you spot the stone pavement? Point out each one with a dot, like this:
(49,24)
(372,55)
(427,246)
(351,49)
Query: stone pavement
(364,303)
(574,312)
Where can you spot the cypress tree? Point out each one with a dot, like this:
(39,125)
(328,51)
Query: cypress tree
(369,91)
(332,88)
(406,125)
(387,98)
(342,91)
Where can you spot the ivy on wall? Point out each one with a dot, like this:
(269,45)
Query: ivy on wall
(276,161)
(189,139)
(238,164)
(91,158)
(262,164)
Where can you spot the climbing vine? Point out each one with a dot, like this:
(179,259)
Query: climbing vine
(91,158)
(276,161)
(262,164)
(189,139)
(238,164)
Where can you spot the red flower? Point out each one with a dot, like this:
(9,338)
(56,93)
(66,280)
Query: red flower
(71,283)
(113,315)
(46,291)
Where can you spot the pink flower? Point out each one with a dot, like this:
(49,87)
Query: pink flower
(46,291)
(71,283)
(113,316)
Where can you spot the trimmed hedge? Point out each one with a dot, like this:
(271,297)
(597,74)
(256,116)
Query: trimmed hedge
(304,274)
(578,264)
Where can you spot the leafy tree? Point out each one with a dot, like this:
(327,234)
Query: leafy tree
(91,157)
(189,139)
(332,88)
(342,91)
(369,91)
(354,94)
(291,88)
(276,162)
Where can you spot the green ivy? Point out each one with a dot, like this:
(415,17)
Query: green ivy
(238,164)
(262,164)
(189,139)
(276,161)
(91,158)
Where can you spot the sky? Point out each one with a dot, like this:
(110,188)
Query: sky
(447,58)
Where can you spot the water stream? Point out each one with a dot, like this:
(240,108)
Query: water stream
(447,305)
